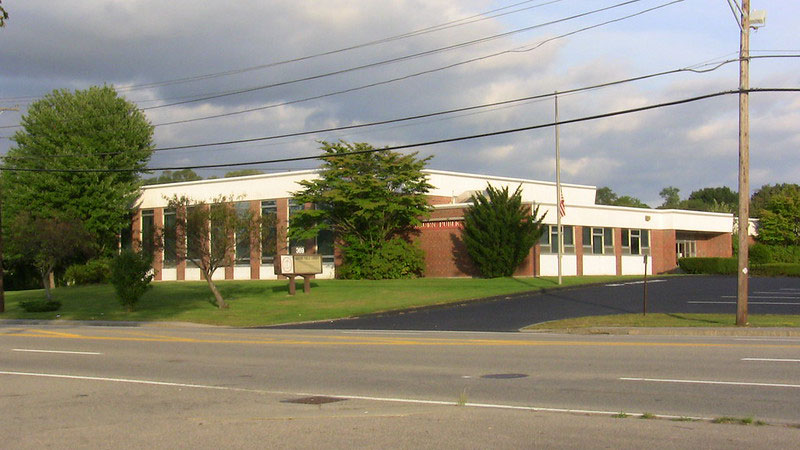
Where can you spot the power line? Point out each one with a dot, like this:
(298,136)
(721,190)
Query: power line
(486,15)
(422,144)
(694,69)
(394,60)
(405,77)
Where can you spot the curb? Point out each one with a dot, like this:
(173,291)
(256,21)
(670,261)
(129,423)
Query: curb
(675,331)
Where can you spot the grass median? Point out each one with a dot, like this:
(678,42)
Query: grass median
(254,303)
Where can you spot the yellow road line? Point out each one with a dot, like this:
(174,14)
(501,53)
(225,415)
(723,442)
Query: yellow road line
(387,341)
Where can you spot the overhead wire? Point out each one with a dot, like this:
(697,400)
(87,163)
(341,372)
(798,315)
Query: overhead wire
(421,144)
(397,59)
(696,68)
(408,76)
(486,15)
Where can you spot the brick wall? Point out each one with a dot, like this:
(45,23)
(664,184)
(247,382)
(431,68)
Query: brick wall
(715,245)
(662,250)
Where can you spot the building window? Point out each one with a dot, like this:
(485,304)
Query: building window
(635,242)
(170,238)
(598,241)
(194,250)
(148,230)
(686,248)
(269,231)
(242,252)
(549,241)
(325,245)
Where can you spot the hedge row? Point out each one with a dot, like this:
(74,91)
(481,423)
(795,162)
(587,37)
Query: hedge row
(729,266)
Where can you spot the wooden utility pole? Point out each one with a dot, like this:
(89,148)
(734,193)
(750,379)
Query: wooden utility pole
(560,234)
(744,165)
(2,272)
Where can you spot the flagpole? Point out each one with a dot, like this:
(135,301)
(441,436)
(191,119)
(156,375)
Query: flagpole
(558,194)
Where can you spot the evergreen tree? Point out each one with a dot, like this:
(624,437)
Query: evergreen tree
(499,231)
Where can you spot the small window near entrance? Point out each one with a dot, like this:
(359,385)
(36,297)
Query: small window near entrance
(686,248)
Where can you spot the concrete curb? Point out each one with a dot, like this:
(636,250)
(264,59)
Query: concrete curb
(676,331)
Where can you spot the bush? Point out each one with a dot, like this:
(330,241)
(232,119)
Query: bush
(96,271)
(711,266)
(776,270)
(393,259)
(768,254)
(40,305)
(131,275)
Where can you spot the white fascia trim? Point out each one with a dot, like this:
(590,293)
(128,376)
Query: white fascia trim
(504,179)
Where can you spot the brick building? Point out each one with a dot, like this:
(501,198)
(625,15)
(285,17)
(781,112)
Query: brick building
(598,239)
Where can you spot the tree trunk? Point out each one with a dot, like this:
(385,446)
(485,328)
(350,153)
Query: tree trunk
(46,285)
(217,296)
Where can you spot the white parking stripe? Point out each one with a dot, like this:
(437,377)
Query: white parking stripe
(771,359)
(53,351)
(727,383)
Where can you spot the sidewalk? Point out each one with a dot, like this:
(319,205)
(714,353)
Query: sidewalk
(676,331)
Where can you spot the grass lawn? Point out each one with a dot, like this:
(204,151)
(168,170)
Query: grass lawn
(255,303)
(670,320)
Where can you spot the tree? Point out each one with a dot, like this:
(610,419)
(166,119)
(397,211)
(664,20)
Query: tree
(367,198)
(242,173)
(605,196)
(169,176)
(209,231)
(3,16)
(104,137)
(46,242)
(714,199)
(671,196)
(499,231)
(780,221)
(762,197)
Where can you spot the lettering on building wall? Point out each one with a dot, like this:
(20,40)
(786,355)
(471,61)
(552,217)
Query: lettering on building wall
(443,225)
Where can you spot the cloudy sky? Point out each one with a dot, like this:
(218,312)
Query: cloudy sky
(312,65)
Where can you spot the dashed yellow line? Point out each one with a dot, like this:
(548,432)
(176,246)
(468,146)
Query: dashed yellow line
(373,341)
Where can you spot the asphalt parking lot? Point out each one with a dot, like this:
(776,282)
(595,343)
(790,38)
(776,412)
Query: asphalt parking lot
(700,294)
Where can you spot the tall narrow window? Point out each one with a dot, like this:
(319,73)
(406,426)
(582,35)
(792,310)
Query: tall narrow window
(170,238)
(243,234)
(148,230)
(269,231)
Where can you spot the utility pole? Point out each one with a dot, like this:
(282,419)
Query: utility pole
(744,165)
(2,271)
(558,195)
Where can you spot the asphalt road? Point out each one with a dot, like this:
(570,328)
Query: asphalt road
(204,387)
(702,294)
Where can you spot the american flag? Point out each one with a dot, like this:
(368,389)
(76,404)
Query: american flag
(562,208)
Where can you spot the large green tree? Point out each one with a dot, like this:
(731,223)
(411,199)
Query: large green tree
(79,156)
(499,231)
(169,176)
(780,221)
(370,199)
(762,197)
(606,196)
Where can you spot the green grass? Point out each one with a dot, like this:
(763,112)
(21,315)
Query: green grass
(254,303)
(670,320)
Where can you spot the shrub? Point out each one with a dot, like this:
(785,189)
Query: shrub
(712,266)
(40,305)
(131,275)
(393,259)
(776,270)
(96,271)
(499,231)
